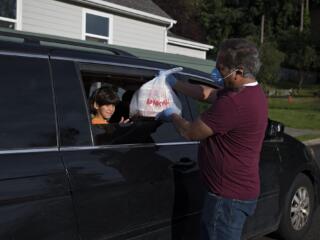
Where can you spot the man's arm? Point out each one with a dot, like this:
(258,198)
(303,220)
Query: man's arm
(196,130)
(198,92)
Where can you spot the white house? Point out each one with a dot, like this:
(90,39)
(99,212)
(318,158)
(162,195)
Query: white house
(131,23)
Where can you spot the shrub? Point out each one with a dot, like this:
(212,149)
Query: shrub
(271,59)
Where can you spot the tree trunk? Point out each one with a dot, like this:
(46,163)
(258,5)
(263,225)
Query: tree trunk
(262,30)
(307,6)
(302,15)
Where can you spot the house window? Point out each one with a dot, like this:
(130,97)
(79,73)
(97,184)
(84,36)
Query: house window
(97,26)
(9,14)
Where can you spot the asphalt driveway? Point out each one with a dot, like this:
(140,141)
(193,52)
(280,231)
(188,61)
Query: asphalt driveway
(295,132)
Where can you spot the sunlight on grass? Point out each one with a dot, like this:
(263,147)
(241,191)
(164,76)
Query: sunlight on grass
(312,104)
(302,119)
(303,113)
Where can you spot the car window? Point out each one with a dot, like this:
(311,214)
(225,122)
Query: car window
(27,114)
(196,107)
(124,82)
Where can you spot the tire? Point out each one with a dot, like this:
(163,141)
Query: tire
(298,210)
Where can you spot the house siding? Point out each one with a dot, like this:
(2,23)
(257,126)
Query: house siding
(52,17)
(137,34)
(186,51)
(62,19)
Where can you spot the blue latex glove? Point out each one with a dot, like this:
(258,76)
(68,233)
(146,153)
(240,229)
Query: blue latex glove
(171,80)
(166,115)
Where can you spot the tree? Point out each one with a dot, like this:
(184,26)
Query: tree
(221,21)
(301,52)
(187,14)
(271,59)
(270,22)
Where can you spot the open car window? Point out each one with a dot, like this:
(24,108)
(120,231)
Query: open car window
(124,81)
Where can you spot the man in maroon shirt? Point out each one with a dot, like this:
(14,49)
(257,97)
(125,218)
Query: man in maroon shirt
(231,133)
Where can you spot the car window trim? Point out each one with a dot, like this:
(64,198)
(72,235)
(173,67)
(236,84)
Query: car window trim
(126,146)
(30,55)
(85,100)
(29,150)
(79,148)
(54,102)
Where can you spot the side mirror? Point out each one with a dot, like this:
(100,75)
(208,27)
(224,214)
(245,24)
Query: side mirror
(274,130)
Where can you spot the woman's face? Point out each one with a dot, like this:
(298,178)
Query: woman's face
(106,111)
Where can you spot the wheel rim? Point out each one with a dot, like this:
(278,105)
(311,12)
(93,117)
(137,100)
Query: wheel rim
(300,208)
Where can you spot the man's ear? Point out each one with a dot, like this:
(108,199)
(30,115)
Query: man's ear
(240,71)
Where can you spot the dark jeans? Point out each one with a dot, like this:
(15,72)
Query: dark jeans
(223,219)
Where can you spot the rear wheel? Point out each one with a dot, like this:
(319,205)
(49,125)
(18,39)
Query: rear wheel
(298,209)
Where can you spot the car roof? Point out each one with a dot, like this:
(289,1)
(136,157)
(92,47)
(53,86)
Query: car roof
(83,51)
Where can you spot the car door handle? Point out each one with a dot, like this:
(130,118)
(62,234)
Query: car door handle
(184,164)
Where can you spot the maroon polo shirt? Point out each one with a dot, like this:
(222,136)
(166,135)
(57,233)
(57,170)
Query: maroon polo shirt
(229,159)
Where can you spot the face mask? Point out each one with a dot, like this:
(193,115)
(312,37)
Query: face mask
(217,77)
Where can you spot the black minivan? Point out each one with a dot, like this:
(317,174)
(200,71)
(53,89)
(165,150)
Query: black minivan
(63,178)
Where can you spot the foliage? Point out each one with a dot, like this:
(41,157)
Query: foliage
(187,14)
(301,53)
(213,21)
(222,21)
(271,59)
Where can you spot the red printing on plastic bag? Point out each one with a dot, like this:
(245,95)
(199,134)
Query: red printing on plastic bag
(158,103)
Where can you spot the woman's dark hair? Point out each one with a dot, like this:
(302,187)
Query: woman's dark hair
(103,96)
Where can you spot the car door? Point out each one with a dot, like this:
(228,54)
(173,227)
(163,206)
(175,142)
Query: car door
(267,213)
(35,201)
(123,190)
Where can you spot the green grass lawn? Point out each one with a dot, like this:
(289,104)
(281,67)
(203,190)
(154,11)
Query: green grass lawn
(301,113)
(308,137)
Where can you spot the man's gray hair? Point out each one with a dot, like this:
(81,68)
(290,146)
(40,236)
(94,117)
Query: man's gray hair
(237,52)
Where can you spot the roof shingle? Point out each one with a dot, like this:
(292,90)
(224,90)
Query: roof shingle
(142,5)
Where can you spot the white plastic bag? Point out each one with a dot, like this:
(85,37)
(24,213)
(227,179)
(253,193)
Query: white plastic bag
(155,96)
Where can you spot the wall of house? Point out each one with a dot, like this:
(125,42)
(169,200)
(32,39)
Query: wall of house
(52,17)
(186,51)
(62,19)
(137,34)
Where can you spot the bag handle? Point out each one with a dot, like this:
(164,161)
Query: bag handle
(168,72)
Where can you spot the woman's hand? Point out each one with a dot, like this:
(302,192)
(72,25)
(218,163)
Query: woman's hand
(125,123)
